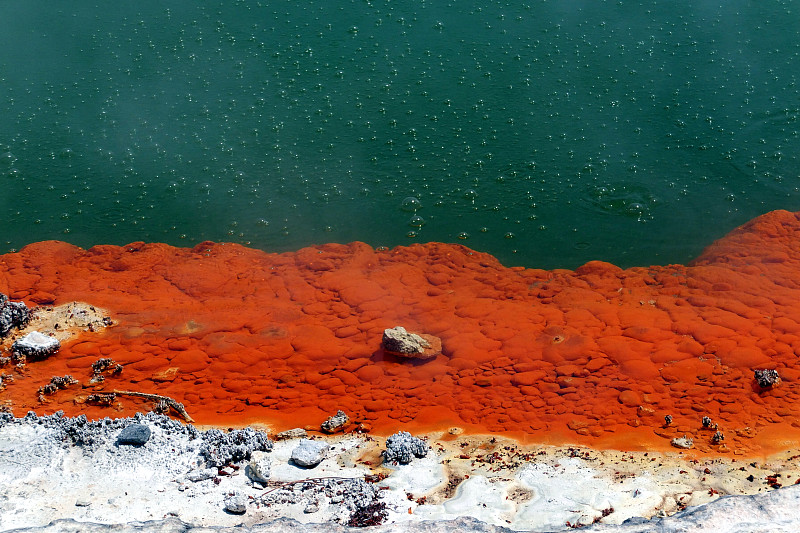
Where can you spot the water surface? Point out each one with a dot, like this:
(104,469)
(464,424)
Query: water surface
(546,133)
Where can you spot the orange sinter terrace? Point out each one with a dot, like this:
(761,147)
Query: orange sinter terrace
(599,356)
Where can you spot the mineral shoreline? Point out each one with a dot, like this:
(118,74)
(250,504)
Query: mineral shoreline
(62,474)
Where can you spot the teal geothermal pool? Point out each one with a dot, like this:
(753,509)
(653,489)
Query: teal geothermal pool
(547,133)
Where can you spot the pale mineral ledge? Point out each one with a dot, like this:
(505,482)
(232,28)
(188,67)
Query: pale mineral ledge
(151,473)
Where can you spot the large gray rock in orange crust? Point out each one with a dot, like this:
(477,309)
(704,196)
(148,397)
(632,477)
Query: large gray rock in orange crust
(336,422)
(401,343)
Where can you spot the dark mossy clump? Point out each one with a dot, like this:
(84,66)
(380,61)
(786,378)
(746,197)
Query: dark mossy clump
(222,448)
(12,315)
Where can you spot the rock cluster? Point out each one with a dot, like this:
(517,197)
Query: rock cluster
(12,315)
(399,342)
(402,448)
(90,434)
(352,497)
(35,346)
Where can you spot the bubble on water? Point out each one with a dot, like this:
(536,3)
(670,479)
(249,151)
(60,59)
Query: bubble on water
(463,235)
(416,221)
(262,222)
(411,204)
(411,234)
(508,235)
(484,229)
(635,208)
(7,158)
(470,194)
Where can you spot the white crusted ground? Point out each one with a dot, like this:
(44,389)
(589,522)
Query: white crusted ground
(43,480)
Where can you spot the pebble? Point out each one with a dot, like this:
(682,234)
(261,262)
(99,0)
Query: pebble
(296,433)
(236,503)
(201,475)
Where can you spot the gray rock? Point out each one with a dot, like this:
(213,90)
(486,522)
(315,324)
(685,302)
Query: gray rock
(12,315)
(236,503)
(35,346)
(336,422)
(398,340)
(402,448)
(260,467)
(296,433)
(683,443)
(201,475)
(309,453)
(134,434)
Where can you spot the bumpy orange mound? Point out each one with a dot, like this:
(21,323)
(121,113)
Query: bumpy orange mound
(595,356)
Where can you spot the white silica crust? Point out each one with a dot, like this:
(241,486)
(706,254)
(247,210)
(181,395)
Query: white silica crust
(36,340)
(36,345)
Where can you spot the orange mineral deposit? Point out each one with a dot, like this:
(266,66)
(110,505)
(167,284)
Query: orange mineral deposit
(596,356)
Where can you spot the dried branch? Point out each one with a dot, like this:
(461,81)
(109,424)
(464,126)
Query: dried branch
(176,406)
(275,485)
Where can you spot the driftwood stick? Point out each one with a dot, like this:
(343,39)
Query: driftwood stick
(176,406)
(275,485)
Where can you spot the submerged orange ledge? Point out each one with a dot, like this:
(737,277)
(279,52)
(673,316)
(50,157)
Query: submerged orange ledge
(596,356)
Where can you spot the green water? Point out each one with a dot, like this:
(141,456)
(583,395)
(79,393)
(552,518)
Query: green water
(547,133)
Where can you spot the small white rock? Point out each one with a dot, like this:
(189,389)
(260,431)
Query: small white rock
(236,504)
(260,466)
(683,443)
